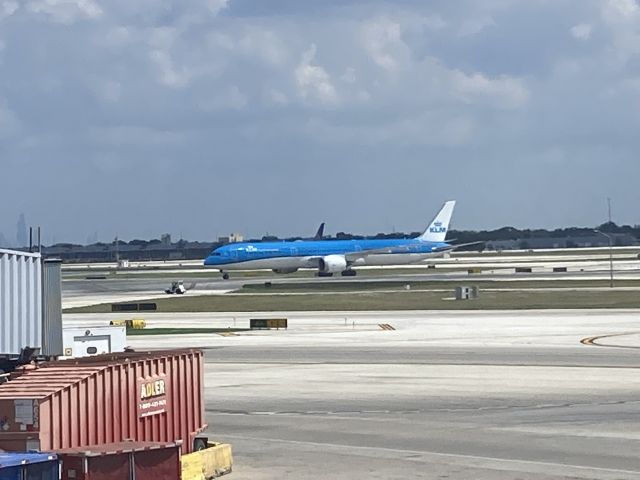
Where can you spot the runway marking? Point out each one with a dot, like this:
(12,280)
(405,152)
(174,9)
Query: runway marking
(386,326)
(425,364)
(594,341)
(362,415)
(476,461)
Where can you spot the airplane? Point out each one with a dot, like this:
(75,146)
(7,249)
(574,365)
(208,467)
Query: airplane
(335,256)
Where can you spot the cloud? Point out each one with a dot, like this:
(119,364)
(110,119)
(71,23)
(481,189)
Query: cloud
(581,31)
(168,73)
(265,45)
(475,25)
(117,93)
(314,83)
(501,92)
(8,8)
(65,11)
(215,6)
(622,17)
(382,41)
(118,36)
(622,8)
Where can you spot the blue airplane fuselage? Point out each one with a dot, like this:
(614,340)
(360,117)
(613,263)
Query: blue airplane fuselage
(301,254)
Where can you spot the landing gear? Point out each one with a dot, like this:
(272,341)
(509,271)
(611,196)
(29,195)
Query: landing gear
(324,274)
(349,273)
(225,276)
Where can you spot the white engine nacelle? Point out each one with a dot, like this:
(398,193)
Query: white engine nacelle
(332,264)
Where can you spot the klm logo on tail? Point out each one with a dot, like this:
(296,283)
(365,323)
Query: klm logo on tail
(437,227)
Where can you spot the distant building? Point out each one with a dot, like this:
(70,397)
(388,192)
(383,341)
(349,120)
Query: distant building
(619,240)
(165,239)
(21,232)
(233,238)
(137,252)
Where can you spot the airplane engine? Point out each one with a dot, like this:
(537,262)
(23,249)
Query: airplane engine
(332,264)
(285,270)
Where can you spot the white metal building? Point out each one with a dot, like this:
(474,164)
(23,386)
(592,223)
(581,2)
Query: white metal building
(30,303)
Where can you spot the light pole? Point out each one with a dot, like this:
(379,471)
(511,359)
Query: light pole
(610,256)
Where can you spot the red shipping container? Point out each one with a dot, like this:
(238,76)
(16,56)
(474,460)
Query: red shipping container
(141,396)
(124,461)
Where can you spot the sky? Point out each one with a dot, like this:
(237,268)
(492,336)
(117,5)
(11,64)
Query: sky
(206,117)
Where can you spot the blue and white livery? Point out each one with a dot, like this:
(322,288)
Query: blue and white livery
(335,256)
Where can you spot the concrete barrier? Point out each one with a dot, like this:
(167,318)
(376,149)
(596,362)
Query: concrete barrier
(524,269)
(134,307)
(214,461)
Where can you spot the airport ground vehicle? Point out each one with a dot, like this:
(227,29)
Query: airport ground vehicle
(178,288)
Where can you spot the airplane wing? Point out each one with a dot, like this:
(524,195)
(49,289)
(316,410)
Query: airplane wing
(313,261)
(381,251)
(407,249)
(453,248)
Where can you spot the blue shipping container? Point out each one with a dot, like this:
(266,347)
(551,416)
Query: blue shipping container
(28,466)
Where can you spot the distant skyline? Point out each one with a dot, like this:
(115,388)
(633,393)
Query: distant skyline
(206,117)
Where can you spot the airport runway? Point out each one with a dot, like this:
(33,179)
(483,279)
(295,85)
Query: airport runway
(82,292)
(79,293)
(456,395)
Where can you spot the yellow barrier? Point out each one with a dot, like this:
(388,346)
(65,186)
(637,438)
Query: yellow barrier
(212,462)
(136,323)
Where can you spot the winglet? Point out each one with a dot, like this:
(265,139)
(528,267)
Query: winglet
(437,230)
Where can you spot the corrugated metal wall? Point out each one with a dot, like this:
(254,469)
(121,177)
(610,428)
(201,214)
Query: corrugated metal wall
(20,301)
(52,311)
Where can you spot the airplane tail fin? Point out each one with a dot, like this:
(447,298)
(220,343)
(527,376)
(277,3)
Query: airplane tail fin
(320,233)
(437,230)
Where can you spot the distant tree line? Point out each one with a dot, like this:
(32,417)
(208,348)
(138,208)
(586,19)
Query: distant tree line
(505,233)
(460,236)
(511,233)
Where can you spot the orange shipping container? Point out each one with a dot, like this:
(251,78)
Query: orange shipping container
(141,396)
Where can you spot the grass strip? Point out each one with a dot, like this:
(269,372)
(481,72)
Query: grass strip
(401,300)
(181,331)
